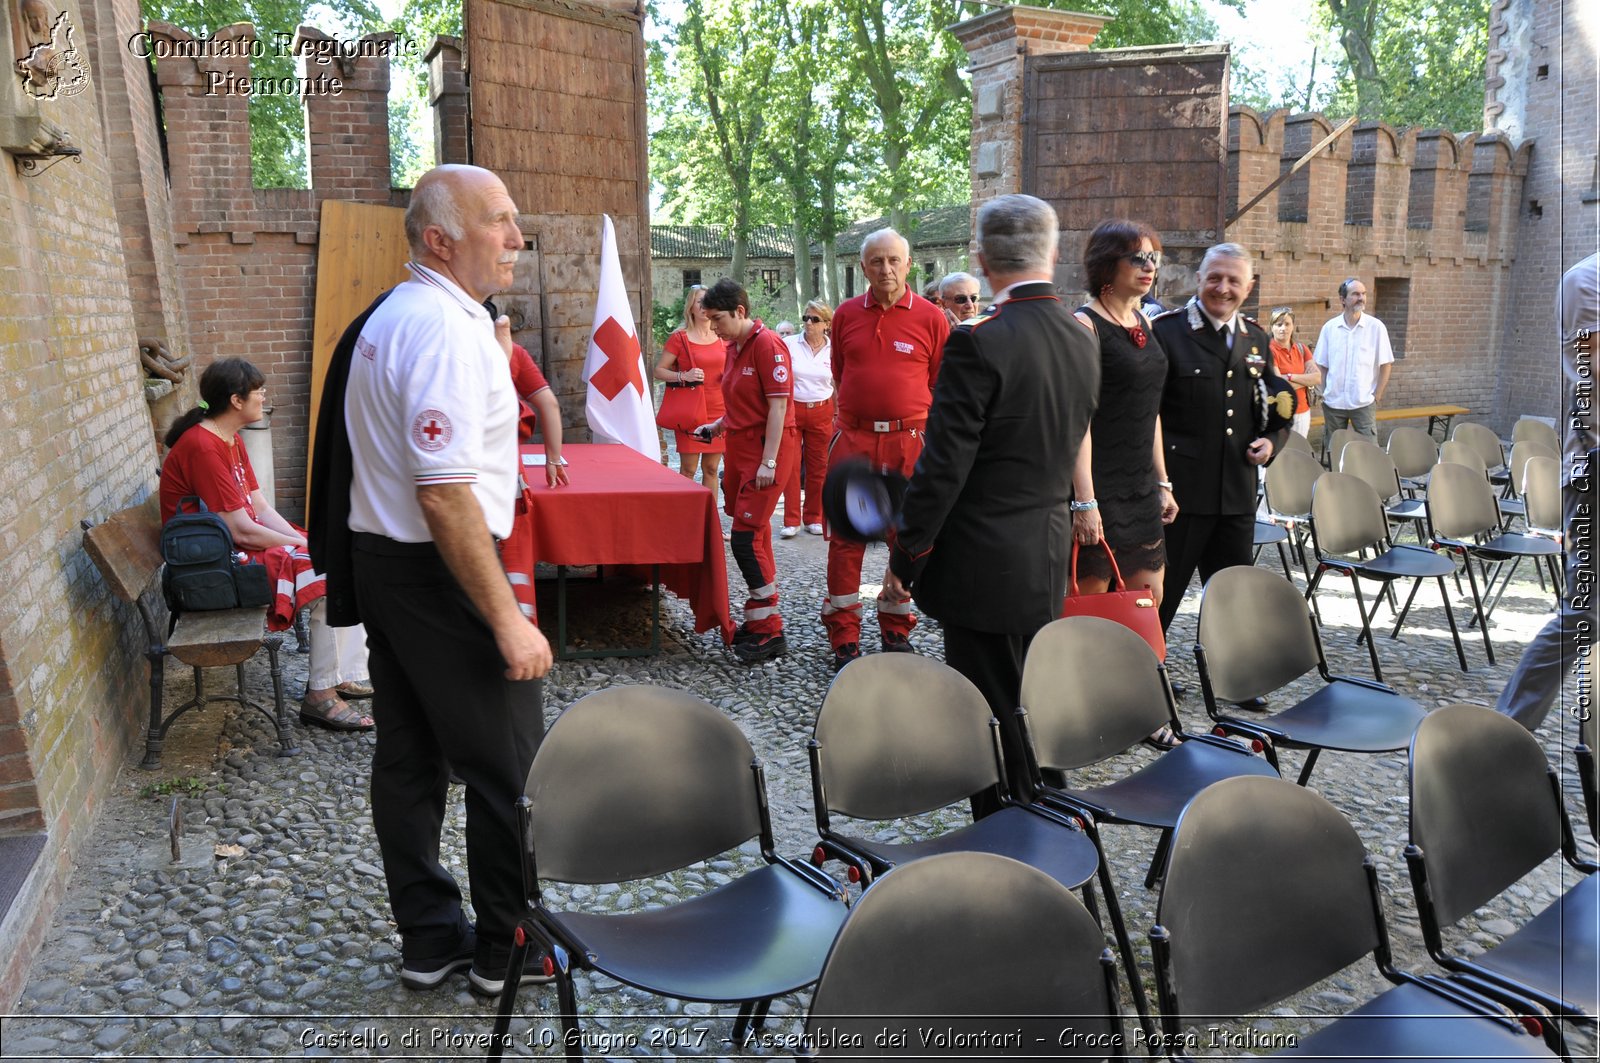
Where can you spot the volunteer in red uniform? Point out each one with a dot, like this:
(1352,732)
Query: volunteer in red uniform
(886,350)
(762,447)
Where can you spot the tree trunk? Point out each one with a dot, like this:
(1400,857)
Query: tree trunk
(803,289)
(1358,21)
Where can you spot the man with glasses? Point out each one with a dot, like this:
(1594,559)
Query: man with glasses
(886,350)
(959,294)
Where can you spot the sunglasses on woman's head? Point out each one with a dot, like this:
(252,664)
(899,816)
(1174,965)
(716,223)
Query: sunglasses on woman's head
(1146,259)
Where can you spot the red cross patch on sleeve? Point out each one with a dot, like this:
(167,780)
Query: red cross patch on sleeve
(431,430)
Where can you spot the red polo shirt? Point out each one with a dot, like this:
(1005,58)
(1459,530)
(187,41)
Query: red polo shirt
(759,372)
(885,361)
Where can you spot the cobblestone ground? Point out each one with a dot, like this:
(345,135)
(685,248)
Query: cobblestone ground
(271,936)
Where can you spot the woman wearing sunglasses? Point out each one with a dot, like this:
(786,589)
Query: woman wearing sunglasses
(811,354)
(1121,494)
(1295,364)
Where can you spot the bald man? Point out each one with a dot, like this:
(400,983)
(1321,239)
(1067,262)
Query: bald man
(431,413)
(886,350)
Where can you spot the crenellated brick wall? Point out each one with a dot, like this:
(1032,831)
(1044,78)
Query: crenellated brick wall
(1426,219)
(248,255)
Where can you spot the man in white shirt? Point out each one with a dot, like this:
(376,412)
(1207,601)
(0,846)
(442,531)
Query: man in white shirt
(431,417)
(1355,355)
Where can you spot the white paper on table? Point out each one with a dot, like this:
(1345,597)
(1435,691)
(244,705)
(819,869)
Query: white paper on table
(533,459)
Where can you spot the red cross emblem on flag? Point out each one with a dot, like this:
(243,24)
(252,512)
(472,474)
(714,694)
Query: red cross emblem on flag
(622,360)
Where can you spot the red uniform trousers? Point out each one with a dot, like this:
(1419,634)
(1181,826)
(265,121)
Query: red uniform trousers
(814,422)
(841,610)
(751,508)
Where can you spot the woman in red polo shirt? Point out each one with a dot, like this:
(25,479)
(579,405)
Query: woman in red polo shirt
(206,459)
(758,427)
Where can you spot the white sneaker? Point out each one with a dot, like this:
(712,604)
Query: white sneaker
(814,529)
(789,531)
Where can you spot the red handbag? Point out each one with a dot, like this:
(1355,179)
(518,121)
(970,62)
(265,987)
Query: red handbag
(683,408)
(1133,609)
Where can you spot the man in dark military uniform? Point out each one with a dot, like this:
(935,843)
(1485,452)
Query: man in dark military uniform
(1213,423)
(984,534)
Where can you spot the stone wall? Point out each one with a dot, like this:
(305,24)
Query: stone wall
(1541,85)
(80,278)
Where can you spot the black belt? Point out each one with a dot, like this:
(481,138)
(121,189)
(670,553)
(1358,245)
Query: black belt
(384,546)
(675,384)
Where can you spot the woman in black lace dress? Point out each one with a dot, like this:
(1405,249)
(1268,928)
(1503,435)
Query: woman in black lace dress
(1120,487)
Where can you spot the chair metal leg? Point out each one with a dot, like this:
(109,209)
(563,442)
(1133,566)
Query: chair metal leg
(1158,862)
(1283,559)
(1366,626)
(567,995)
(1311,762)
(760,1017)
(1400,618)
(1450,615)
(1477,608)
(741,1025)
(1130,960)
(508,994)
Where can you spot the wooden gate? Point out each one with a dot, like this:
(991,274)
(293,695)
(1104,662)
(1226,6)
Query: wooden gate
(1137,133)
(361,253)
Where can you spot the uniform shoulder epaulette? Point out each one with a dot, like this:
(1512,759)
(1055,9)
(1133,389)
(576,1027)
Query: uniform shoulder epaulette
(1167,313)
(1250,320)
(973,322)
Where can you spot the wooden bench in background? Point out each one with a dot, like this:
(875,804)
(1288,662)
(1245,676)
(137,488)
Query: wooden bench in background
(126,547)
(1438,416)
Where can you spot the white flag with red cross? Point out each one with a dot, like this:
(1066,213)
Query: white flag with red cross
(618,405)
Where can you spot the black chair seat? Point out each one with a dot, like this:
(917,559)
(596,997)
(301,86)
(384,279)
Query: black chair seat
(1506,547)
(1268,533)
(1406,562)
(1556,952)
(1409,1022)
(1154,795)
(762,935)
(1067,857)
(1406,509)
(1345,716)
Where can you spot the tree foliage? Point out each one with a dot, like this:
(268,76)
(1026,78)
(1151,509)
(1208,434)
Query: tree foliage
(1411,62)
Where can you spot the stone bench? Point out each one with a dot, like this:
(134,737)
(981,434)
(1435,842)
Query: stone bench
(126,547)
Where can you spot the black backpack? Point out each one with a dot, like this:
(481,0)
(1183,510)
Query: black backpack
(201,570)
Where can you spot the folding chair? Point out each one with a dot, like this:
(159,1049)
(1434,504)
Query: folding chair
(1296,441)
(1482,439)
(1269,534)
(1512,501)
(633,782)
(1537,431)
(983,942)
(1269,891)
(1486,809)
(1091,690)
(1583,753)
(1348,522)
(900,735)
(1336,446)
(1414,454)
(1463,519)
(1256,636)
(1365,459)
(1288,485)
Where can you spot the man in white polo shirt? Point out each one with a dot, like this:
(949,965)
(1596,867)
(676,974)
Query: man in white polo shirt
(431,417)
(1354,353)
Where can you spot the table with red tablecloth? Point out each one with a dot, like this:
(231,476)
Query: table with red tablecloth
(621,508)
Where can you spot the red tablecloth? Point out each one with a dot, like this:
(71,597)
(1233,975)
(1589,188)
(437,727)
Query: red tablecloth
(621,508)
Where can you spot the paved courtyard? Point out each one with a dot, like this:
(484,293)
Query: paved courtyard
(271,937)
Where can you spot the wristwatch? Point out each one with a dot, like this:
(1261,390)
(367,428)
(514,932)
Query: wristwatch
(771,463)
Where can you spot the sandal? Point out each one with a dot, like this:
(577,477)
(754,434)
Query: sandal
(335,715)
(1163,739)
(355,689)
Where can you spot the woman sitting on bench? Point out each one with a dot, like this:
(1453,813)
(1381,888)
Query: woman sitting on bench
(205,458)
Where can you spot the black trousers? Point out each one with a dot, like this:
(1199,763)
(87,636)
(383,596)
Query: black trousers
(1206,543)
(442,701)
(993,662)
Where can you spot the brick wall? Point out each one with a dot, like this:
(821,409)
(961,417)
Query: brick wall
(1542,85)
(248,255)
(79,446)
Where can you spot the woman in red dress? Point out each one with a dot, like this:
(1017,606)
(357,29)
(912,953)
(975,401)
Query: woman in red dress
(693,356)
(206,459)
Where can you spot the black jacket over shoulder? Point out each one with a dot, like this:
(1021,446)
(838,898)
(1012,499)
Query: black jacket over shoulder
(1208,413)
(984,536)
